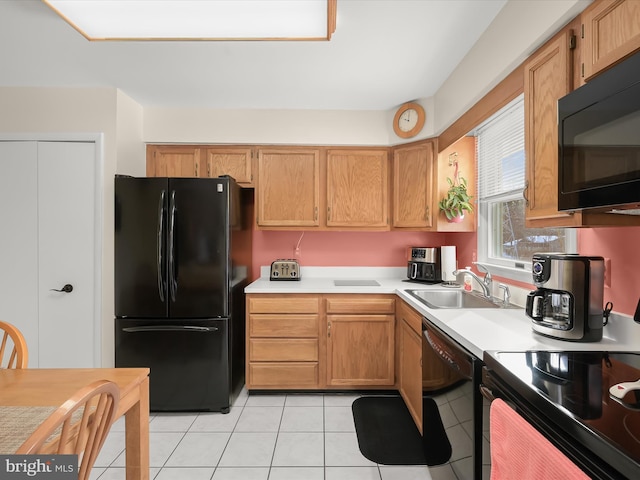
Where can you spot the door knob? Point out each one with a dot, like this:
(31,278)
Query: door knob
(68,288)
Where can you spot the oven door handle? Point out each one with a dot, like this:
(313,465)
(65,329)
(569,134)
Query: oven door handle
(487,393)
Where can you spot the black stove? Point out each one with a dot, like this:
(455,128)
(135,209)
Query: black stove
(566,396)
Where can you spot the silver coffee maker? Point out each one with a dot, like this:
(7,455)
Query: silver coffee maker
(568,302)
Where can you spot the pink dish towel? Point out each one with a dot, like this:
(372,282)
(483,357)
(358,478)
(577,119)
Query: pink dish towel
(519,451)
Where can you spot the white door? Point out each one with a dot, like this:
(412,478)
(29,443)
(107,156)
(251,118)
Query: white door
(19,240)
(60,180)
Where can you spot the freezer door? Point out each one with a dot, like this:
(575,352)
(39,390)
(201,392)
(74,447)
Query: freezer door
(188,361)
(140,247)
(198,248)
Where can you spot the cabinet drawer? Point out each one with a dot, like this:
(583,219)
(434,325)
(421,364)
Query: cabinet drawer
(284,304)
(283,349)
(360,305)
(290,326)
(283,374)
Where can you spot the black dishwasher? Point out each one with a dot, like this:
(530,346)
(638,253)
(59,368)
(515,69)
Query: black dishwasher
(461,407)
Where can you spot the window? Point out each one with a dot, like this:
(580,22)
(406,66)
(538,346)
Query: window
(504,243)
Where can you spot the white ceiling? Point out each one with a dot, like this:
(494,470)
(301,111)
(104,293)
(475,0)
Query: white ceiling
(383,53)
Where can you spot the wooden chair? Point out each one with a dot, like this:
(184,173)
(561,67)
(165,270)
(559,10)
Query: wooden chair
(13,348)
(79,426)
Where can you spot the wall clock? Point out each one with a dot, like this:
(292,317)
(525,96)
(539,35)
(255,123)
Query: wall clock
(409,120)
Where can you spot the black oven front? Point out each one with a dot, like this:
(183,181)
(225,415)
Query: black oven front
(565,396)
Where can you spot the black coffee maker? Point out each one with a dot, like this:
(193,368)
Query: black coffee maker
(568,302)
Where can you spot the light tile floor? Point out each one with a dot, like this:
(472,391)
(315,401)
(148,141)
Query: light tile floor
(263,437)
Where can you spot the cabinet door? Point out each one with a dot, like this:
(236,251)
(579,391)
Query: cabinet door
(288,188)
(411,371)
(547,77)
(611,32)
(413,186)
(229,161)
(357,188)
(173,161)
(360,349)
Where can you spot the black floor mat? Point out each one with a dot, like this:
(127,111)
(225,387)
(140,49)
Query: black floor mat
(387,434)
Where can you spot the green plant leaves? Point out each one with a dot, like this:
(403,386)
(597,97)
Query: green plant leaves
(457,200)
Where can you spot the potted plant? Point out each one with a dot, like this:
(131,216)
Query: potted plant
(457,200)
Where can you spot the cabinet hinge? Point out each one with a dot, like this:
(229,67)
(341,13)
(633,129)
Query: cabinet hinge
(572,42)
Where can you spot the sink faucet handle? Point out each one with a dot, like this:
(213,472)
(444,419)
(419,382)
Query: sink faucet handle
(484,269)
(506,295)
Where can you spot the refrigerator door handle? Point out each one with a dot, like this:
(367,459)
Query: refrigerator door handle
(173,281)
(170,328)
(162,284)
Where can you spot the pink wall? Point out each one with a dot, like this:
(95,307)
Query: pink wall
(376,249)
(621,245)
(389,249)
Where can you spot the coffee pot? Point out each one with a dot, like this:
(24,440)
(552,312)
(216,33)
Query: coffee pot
(567,304)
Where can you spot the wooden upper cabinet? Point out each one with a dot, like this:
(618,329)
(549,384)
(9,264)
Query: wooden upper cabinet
(547,77)
(288,187)
(413,186)
(228,161)
(611,31)
(173,161)
(358,189)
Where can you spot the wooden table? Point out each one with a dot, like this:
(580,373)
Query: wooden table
(45,387)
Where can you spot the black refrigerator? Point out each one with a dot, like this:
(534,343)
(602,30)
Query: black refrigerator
(179,291)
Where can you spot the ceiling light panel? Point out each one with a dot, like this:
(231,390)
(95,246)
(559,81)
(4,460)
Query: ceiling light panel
(199,19)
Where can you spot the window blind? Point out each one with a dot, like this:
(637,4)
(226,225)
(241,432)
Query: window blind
(500,151)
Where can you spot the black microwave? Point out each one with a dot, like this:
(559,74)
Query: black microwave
(599,141)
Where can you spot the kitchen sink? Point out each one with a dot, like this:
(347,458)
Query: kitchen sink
(452,299)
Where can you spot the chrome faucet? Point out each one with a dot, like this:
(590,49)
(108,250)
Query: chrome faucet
(506,294)
(485,282)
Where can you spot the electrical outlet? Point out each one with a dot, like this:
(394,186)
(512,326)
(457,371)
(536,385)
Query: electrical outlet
(607,272)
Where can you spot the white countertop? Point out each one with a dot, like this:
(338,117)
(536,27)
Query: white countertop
(478,330)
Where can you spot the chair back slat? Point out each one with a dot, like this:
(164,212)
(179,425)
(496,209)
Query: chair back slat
(13,349)
(79,426)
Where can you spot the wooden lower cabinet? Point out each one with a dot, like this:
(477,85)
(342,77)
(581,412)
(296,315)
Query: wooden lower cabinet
(341,341)
(313,342)
(410,371)
(360,350)
(283,342)
(420,370)
(360,340)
